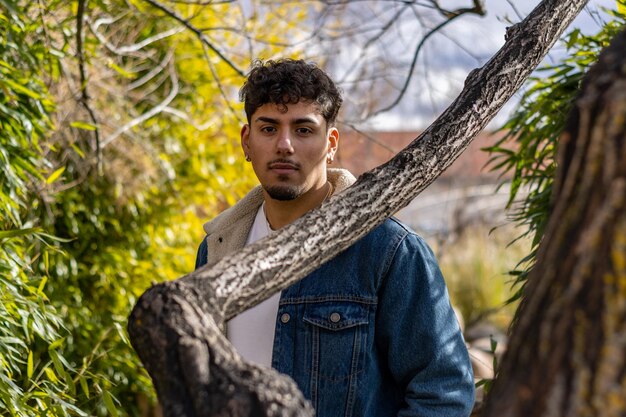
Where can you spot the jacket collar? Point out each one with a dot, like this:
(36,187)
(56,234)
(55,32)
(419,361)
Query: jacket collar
(229,230)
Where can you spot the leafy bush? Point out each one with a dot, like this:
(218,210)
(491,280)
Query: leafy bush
(35,377)
(534,130)
(125,195)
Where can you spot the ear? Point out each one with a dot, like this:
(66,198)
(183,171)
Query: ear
(245,138)
(333,142)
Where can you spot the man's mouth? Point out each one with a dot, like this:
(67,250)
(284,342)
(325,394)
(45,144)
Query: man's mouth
(283,167)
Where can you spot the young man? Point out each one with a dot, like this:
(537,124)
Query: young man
(371,333)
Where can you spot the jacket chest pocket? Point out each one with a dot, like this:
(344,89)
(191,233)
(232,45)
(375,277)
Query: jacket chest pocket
(337,338)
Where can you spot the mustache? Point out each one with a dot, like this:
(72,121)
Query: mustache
(283,161)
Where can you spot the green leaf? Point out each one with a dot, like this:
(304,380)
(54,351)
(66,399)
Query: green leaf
(84,385)
(56,344)
(51,375)
(78,150)
(58,366)
(108,403)
(4,234)
(21,89)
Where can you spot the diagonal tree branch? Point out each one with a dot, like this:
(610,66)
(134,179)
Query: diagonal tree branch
(175,326)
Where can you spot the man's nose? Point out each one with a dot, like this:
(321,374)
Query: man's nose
(284,145)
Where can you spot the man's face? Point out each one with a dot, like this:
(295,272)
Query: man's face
(289,150)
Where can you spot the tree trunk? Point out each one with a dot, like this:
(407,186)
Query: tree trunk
(567,354)
(175,326)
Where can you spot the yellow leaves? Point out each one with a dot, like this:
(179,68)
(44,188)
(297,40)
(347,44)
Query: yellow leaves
(40,287)
(18,88)
(121,71)
(83,125)
(51,375)
(618,254)
(29,364)
(55,175)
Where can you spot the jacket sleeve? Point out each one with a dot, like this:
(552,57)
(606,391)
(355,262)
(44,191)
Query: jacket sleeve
(419,333)
(202,255)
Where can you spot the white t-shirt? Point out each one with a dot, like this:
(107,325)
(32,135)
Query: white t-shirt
(252,332)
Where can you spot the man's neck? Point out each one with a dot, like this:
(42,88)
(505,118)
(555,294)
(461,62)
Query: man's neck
(281,213)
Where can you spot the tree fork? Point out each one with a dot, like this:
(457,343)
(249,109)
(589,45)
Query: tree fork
(176,324)
(570,339)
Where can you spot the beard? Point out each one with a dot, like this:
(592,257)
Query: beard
(283,192)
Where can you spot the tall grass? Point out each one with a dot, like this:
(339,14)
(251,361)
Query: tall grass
(476,266)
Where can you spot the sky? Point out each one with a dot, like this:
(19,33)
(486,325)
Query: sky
(465,44)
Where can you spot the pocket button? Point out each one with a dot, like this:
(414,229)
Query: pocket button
(335,317)
(284,318)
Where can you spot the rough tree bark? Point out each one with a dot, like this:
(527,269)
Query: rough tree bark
(567,354)
(175,326)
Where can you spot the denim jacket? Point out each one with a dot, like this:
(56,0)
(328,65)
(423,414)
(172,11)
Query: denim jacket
(371,333)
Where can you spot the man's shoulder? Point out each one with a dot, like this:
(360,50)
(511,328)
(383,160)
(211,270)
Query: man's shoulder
(384,239)
(392,227)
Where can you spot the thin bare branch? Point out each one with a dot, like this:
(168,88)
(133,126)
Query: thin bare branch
(515,9)
(409,76)
(369,137)
(84,93)
(199,34)
(374,39)
(150,113)
(133,49)
(152,73)
(478,9)
(187,118)
(219,84)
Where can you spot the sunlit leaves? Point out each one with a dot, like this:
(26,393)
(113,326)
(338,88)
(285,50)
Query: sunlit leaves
(108,200)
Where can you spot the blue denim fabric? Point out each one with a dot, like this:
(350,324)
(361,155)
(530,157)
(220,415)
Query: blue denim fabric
(371,333)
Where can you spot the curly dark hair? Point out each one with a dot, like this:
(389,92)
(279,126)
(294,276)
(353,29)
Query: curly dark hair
(287,81)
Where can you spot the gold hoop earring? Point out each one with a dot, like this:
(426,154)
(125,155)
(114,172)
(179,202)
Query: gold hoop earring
(248,158)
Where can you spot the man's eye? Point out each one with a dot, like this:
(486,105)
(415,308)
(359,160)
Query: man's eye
(268,129)
(304,131)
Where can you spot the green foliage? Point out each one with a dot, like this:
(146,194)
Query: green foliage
(35,377)
(122,169)
(527,151)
